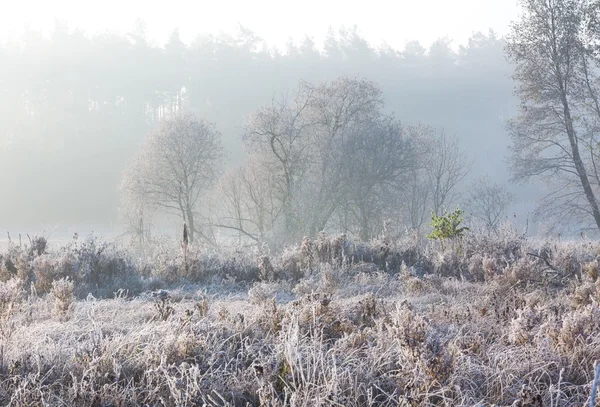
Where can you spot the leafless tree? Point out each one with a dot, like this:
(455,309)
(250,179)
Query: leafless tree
(340,108)
(553,136)
(447,167)
(415,195)
(135,211)
(380,155)
(416,200)
(178,161)
(487,202)
(280,135)
(228,205)
(300,139)
(246,202)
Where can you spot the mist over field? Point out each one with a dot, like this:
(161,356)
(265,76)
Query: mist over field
(334,205)
(77,106)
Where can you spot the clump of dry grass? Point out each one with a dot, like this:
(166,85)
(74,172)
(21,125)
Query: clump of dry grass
(267,272)
(62,297)
(11,296)
(162,304)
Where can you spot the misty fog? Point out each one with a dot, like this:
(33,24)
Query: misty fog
(205,216)
(76,108)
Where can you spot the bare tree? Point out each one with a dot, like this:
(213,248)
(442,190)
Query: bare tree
(280,135)
(551,135)
(340,107)
(380,155)
(135,210)
(416,192)
(416,200)
(447,167)
(246,202)
(300,139)
(227,203)
(487,202)
(177,163)
(334,157)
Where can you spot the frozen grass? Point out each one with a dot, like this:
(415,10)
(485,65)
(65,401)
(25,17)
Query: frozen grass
(490,321)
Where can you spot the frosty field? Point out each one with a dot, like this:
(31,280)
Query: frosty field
(487,321)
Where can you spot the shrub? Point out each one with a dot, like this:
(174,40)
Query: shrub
(10,296)
(62,296)
(447,226)
(267,272)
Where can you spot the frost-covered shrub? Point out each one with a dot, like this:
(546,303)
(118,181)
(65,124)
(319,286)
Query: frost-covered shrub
(475,267)
(490,267)
(450,264)
(579,326)
(590,269)
(296,263)
(520,330)
(92,266)
(62,297)
(24,269)
(49,268)
(8,268)
(11,295)
(586,293)
(331,249)
(261,293)
(523,270)
(37,246)
(267,272)
(331,278)
(102,267)
(201,265)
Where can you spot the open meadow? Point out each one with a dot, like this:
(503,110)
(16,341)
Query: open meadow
(485,321)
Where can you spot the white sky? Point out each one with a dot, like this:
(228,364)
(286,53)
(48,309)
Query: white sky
(392,21)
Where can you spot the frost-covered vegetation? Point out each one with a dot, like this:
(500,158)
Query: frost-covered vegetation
(501,320)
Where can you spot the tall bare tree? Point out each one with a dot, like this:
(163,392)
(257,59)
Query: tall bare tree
(417,191)
(447,168)
(339,107)
(380,155)
(135,210)
(280,135)
(300,139)
(550,45)
(416,203)
(178,161)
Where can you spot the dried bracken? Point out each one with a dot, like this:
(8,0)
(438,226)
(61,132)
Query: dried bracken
(477,324)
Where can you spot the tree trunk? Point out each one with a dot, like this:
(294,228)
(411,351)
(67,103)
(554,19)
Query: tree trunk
(585,183)
(190,223)
(288,223)
(141,230)
(364,229)
(364,224)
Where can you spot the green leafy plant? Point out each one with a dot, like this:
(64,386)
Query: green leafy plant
(447,225)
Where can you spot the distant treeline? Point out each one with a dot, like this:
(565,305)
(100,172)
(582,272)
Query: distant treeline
(75,108)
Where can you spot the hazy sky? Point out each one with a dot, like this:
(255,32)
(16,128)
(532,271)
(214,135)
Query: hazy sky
(392,21)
